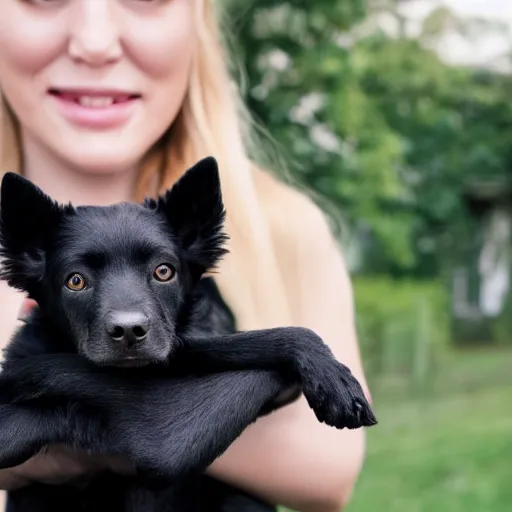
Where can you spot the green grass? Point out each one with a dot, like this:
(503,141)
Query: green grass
(449,453)
(446,448)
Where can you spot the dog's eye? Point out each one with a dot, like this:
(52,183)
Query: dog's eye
(163,273)
(75,282)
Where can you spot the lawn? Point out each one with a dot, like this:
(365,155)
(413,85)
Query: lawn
(450,453)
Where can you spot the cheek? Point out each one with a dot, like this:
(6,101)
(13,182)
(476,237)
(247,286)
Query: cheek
(166,300)
(78,312)
(163,46)
(163,50)
(27,46)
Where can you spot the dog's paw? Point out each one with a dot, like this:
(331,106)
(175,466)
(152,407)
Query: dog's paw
(334,394)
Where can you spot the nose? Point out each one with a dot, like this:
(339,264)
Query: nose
(95,37)
(127,326)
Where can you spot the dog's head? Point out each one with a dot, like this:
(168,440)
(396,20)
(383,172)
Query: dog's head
(113,278)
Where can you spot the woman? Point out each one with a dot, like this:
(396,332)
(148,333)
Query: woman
(110,100)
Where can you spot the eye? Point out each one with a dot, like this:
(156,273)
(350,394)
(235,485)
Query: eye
(75,282)
(164,273)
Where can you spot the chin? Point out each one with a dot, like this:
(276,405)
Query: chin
(123,361)
(109,356)
(130,363)
(104,156)
(104,163)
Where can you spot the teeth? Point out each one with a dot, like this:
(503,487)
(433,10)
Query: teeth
(95,101)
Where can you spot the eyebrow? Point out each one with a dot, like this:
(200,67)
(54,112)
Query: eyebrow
(139,250)
(94,259)
(145,249)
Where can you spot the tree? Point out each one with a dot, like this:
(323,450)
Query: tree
(376,122)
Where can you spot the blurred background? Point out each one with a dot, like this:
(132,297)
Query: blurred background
(398,116)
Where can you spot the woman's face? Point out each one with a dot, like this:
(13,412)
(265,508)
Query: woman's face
(94,83)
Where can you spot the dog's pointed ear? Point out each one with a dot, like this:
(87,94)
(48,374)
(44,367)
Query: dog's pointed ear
(28,218)
(195,212)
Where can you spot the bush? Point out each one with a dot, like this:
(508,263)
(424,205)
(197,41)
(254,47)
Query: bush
(403,326)
(501,327)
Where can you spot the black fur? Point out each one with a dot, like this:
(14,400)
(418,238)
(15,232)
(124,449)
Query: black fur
(193,382)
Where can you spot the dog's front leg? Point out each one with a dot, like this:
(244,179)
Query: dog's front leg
(22,434)
(168,426)
(331,390)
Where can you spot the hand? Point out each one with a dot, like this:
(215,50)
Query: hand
(26,308)
(58,465)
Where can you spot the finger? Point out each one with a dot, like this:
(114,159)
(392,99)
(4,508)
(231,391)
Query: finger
(53,467)
(26,309)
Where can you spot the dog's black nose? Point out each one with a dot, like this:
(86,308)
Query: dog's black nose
(127,326)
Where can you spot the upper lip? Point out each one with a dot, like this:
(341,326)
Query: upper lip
(94,91)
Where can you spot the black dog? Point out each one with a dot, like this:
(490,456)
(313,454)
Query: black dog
(132,352)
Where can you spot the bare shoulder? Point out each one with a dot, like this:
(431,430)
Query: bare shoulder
(293,217)
(300,230)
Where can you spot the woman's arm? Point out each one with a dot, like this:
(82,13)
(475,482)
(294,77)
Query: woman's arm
(289,457)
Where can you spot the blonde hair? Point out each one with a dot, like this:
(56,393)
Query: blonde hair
(210,122)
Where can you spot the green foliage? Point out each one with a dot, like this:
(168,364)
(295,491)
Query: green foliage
(378,125)
(501,327)
(403,326)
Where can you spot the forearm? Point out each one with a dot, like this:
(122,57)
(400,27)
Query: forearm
(10,480)
(290,459)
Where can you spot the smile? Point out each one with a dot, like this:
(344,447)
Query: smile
(95,109)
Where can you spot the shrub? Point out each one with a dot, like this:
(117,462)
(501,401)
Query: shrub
(403,326)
